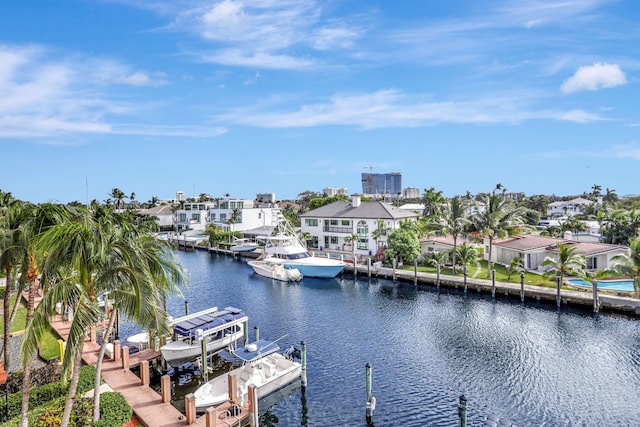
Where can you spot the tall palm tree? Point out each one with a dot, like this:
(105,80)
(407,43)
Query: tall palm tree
(35,219)
(629,264)
(352,239)
(568,263)
(433,202)
(498,218)
(119,196)
(454,222)
(153,202)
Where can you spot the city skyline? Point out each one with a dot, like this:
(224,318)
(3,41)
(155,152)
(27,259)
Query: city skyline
(285,96)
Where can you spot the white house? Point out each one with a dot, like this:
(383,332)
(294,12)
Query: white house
(163,215)
(331,226)
(193,217)
(249,216)
(533,250)
(441,243)
(568,207)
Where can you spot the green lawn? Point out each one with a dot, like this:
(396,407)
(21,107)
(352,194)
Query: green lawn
(502,274)
(20,321)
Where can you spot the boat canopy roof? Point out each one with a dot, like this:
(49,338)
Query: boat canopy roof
(213,321)
(256,350)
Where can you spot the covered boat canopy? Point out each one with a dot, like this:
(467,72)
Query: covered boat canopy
(209,321)
(256,350)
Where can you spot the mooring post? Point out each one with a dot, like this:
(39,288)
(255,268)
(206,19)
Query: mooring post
(493,284)
(256,333)
(253,405)
(438,275)
(369,266)
(462,410)
(394,269)
(186,308)
(558,300)
(303,361)
(246,332)
(464,271)
(415,272)
(371,400)
(522,286)
(596,304)
(203,349)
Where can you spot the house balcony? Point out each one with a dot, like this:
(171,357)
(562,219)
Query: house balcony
(336,229)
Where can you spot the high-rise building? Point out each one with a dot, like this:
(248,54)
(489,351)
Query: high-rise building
(335,191)
(382,183)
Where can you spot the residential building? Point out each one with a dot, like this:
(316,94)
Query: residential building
(382,184)
(568,207)
(163,215)
(534,249)
(193,217)
(442,243)
(248,216)
(180,196)
(266,197)
(332,226)
(411,193)
(335,191)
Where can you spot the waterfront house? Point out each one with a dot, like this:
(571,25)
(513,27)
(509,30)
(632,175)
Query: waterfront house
(442,243)
(533,250)
(248,215)
(331,226)
(193,217)
(163,215)
(564,208)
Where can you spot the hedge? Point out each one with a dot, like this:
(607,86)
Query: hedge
(41,395)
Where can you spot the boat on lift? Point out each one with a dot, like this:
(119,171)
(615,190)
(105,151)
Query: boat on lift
(263,367)
(220,328)
(244,245)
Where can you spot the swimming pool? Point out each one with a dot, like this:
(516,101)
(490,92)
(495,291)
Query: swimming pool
(617,285)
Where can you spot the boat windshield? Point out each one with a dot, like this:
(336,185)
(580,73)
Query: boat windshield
(298,256)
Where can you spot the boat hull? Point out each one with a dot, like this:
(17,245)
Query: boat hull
(269,375)
(275,271)
(319,271)
(178,352)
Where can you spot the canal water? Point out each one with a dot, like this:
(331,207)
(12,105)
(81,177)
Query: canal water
(529,364)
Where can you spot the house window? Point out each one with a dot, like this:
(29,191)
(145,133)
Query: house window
(346,222)
(311,222)
(592,263)
(195,217)
(223,217)
(363,230)
(183,217)
(333,222)
(213,217)
(333,240)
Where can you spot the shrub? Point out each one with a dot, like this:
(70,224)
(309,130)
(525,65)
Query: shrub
(81,414)
(114,410)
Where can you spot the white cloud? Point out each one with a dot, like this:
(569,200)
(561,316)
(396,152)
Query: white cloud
(630,151)
(580,116)
(594,77)
(239,57)
(533,23)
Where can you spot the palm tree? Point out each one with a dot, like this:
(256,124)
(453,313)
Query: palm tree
(454,222)
(305,237)
(132,198)
(380,231)
(596,191)
(9,261)
(35,219)
(433,202)
(438,258)
(466,254)
(568,263)
(117,195)
(352,239)
(629,265)
(498,218)
(233,219)
(514,266)
(153,202)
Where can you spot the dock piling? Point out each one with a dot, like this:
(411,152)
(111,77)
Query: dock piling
(186,308)
(522,286)
(596,303)
(438,275)
(371,400)
(165,388)
(558,300)
(465,272)
(303,360)
(462,410)
(369,266)
(415,272)
(493,284)
(256,333)
(394,269)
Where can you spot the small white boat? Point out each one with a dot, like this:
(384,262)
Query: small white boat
(274,270)
(220,328)
(141,340)
(263,368)
(244,245)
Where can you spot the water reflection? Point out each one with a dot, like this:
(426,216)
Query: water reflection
(526,362)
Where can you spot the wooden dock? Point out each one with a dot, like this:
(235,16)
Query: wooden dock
(146,403)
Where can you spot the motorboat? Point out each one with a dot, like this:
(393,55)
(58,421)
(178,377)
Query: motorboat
(283,246)
(275,270)
(263,367)
(220,328)
(244,245)
(140,340)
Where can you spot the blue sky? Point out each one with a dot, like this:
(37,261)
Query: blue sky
(246,97)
